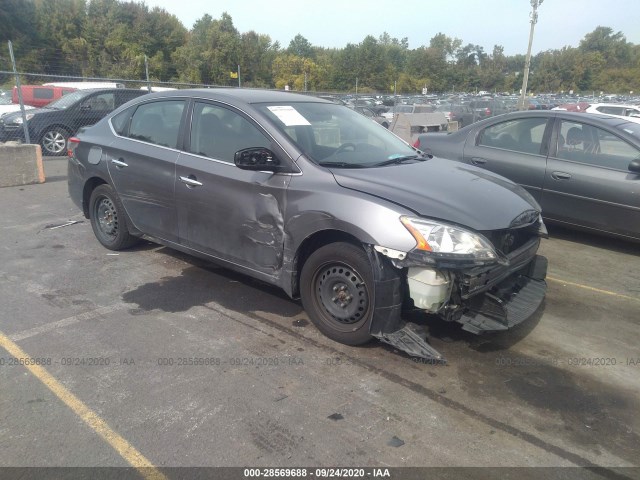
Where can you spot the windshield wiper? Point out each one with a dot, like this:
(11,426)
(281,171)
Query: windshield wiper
(341,165)
(399,160)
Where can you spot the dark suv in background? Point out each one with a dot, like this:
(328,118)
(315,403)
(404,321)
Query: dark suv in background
(51,126)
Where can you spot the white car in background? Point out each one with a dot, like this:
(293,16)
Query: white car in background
(6,106)
(615,109)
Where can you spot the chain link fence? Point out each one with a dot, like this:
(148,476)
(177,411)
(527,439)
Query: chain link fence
(49,104)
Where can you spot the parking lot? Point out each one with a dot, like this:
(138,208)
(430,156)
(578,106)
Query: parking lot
(150,357)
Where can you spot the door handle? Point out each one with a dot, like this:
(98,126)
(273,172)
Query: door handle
(119,163)
(478,160)
(190,181)
(560,176)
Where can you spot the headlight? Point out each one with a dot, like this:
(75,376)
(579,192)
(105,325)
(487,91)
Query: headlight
(447,240)
(18,120)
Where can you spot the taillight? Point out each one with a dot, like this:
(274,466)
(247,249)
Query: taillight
(72,143)
(416,144)
(487,111)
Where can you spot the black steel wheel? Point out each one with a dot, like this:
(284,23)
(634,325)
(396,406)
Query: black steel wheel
(108,219)
(336,288)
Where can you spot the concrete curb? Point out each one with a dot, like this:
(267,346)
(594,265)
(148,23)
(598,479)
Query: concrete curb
(20,164)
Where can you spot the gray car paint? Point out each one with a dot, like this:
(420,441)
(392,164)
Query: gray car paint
(426,189)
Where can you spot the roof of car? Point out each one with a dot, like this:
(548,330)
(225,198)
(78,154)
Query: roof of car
(246,95)
(623,105)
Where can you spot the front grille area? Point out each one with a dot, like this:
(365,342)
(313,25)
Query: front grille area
(507,240)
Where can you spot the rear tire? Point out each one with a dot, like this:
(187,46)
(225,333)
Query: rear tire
(54,141)
(108,219)
(336,288)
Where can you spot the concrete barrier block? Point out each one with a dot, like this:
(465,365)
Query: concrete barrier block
(20,164)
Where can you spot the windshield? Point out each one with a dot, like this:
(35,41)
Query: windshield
(333,135)
(68,100)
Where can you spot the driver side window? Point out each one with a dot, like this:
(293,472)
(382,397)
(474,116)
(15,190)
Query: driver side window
(584,143)
(218,133)
(103,102)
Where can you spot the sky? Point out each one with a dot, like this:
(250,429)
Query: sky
(335,23)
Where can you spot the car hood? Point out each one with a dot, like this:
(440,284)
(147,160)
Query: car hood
(446,190)
(10,117)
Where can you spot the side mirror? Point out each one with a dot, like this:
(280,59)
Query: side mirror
(257,159)
(634,166)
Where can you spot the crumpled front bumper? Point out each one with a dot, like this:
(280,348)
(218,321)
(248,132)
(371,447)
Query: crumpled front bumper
(501,296)
(483,298)
(508,303)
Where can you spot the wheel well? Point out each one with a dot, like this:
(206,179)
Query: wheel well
(310,245)
(89,187)
(48,128)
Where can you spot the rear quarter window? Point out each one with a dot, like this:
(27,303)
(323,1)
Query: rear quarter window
(120,122)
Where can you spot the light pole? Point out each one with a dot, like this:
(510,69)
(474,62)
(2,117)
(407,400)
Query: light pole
(534,19)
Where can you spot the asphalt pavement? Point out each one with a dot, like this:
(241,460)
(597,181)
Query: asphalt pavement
(151,356)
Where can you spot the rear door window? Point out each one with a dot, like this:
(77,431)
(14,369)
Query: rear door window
(157,122)
(523,135)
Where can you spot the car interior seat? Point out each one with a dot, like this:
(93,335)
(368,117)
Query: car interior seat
(208,132)
(574,137)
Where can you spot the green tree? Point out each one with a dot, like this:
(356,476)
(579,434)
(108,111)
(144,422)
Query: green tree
(211,52)
(300,47)
(257,54)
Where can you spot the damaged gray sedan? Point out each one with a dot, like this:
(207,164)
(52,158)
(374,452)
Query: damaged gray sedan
(320,201)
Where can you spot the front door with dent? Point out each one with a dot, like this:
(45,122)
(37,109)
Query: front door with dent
(223,211)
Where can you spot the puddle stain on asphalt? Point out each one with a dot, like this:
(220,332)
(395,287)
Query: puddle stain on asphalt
(591,413)
(201,285)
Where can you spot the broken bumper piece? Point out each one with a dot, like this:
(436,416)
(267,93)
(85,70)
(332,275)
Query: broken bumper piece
(508,304)
(411,340)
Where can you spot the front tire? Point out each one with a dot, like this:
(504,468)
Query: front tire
(108,219)
(54,141)
(336,288)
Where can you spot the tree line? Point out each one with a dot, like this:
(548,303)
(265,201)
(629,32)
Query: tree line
(110,39)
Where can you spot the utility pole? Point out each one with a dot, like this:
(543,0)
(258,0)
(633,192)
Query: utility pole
(534,19)
(146,72)
(25,125)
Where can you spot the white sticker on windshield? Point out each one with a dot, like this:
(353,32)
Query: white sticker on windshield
(289,116)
